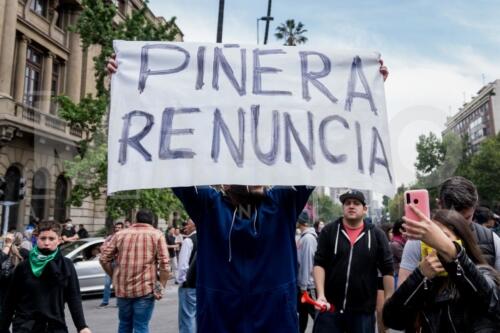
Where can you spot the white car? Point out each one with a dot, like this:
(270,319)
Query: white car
(85,256)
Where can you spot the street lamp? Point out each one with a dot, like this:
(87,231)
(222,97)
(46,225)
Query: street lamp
(263,18)
(268,18)
(220,21)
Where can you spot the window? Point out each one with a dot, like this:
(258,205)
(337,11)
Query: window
(38,196)
(12,178)
(475,122)
(60,201)
(54,86)
(60,23)
(32,77)
(40,7)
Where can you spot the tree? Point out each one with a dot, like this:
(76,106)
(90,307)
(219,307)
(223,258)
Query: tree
(439,160)
(88,171)
(484,171)
(396,207)
(430,153)
(327,209)
(324,207)
(292,34)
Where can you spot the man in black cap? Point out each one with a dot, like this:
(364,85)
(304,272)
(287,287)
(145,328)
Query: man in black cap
(350,252)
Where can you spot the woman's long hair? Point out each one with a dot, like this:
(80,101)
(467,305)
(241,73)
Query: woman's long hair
(460,226)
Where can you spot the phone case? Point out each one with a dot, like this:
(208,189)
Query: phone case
(420,198)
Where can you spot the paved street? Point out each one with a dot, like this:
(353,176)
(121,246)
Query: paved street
(105,320)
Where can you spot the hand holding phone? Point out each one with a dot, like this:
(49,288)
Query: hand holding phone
(420,199)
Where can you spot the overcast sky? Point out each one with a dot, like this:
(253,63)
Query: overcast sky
(438,52)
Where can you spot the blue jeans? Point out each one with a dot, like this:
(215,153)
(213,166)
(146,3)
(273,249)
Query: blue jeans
(187,310)
(107,289)
(135,313)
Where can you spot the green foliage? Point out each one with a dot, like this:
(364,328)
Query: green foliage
(430,153)
(89,174)
(160,201)
(482,168)
(396,207)
(86,115)
(385,201)
(448,158)
(484,171)
(88,171)
(326,209)
(292,34)
(96,27)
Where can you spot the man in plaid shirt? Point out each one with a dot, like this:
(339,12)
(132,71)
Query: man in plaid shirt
(140,251)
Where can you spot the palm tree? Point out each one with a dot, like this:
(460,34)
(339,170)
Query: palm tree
(292,34)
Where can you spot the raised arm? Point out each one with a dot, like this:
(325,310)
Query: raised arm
(195,200)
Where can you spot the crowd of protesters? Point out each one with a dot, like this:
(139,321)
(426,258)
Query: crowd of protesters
(247,257)
(375,277)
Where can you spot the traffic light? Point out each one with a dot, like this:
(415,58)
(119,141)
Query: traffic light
(3,185)
(22,189)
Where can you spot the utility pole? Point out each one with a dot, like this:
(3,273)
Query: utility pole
(268,20)
(220,21)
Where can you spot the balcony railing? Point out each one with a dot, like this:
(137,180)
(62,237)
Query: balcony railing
(49,122)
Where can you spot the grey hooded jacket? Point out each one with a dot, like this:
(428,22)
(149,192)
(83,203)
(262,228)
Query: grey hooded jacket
(306,248)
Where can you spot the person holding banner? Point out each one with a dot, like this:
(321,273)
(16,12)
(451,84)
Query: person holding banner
(247,255)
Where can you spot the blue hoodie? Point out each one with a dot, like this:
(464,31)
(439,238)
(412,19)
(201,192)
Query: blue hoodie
(247,268)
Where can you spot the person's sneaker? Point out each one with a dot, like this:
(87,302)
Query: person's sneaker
(103,305)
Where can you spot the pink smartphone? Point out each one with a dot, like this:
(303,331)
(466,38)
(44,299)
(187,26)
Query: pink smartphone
(419,198)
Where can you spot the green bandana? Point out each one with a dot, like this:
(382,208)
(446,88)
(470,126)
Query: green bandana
(38,261)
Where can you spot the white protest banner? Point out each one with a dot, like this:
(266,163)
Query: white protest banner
(200,114)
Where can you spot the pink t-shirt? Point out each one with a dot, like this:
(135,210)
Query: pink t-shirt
(353,233)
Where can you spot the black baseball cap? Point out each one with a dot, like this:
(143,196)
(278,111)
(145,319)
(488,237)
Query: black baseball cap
(353,194)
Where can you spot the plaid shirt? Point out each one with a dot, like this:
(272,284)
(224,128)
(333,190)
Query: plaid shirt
(137,252)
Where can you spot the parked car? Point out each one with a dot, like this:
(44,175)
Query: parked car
(84,254)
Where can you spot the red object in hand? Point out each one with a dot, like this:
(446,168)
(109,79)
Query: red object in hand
(323,308)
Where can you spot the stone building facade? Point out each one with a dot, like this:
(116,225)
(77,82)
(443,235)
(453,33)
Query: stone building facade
(41,58)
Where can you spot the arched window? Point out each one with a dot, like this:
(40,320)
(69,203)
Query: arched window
(12,177)
(60,201)
(38,196)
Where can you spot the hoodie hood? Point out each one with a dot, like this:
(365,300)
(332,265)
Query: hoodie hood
(309,231)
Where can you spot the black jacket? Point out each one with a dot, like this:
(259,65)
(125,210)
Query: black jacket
(351,277)
(39,301)
(465,301)
(484,237)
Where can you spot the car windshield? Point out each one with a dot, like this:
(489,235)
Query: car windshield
(68,247)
